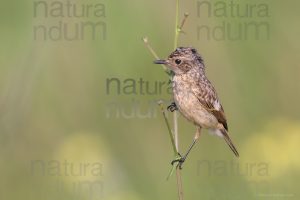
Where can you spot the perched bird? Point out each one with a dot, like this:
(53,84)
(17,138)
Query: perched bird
(195,97)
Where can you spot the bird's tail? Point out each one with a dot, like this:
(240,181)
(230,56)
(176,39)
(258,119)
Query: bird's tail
(229,142)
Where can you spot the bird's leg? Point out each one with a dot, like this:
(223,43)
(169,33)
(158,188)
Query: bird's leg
(172,107)
(182,159)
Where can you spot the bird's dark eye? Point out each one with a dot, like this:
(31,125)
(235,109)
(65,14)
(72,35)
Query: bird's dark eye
(177,61)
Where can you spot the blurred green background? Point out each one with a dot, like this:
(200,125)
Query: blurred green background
(66,132)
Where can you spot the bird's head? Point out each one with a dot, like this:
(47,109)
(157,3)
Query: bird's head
(182,60)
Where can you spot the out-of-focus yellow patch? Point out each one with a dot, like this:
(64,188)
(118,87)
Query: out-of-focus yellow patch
(87,169)
(124,196)
(82,157)
(274,150)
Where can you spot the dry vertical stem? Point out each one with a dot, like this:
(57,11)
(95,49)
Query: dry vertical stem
(174,139)
(183,21)
(178,30)
(161,105)
(174,136)
(179,184)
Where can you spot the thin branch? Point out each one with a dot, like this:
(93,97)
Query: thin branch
(177,30)
(179,184)
(160,103)
(183,21)
(174,135)
(175,121)
(146,42)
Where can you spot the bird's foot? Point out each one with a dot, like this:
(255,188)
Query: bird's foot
(172,107)
(180,160)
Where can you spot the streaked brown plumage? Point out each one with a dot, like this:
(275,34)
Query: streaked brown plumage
(195,96)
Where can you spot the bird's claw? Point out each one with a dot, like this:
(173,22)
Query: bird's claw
(180,161)
(172,107)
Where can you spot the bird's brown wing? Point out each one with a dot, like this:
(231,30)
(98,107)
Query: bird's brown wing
(207,96)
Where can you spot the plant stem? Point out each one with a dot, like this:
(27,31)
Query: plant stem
(146,42)
(174,135)
(183,21)
(171,134)
(160,103)
(175,121)
(176,25)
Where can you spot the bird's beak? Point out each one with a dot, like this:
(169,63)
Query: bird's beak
(161,62)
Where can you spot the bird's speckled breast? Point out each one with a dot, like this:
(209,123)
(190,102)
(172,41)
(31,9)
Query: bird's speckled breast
(189,105)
